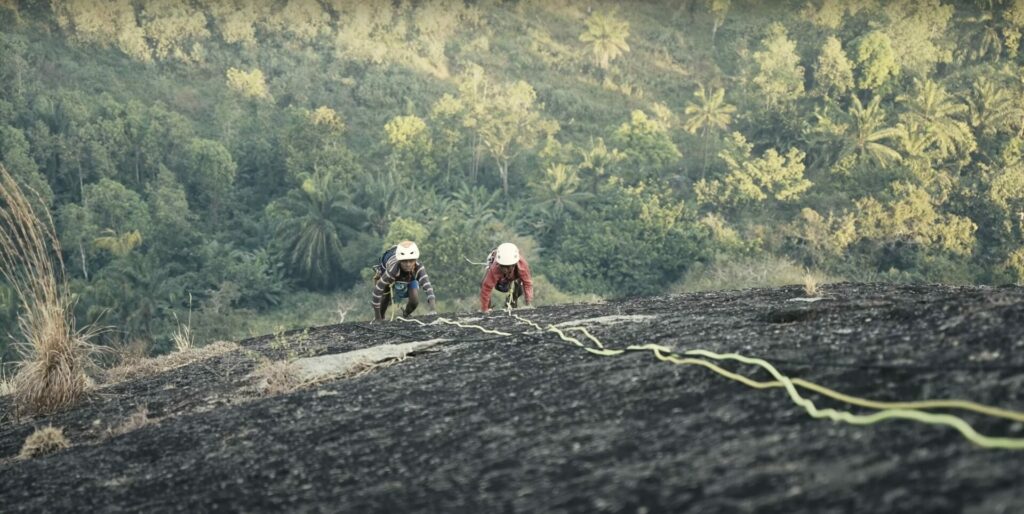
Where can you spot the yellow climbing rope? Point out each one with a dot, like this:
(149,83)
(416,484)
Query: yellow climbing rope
(887,410)
(884,413)
(447,321)
(914,411)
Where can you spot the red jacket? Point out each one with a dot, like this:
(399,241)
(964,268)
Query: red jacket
(493,276)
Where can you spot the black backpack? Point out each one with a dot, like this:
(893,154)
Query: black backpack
(383,264)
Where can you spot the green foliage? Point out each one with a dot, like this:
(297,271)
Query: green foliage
(505,117)
(110,213)
(175,30)
(210,173)
(630,244)
(598,163)
(917,30)
(118,244)
(546,293)
(14,69)
(412,148)
(824,240)
(407,133)
(827,14)
(249,152)
(255,277)
(780,76)
(249,84)
(646,146)
(774,177)
(910,215)
(1015,265)
(444,254)
(875,60)
(403,229)
(173,228)
(833,76)
(15,154)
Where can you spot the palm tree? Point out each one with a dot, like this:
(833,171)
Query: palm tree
(981,38)
(313,220)
(135,290)
(597,162)
(991,106)
(937,112)
(916,141)
(476,205)
(866,133)
(607,38)
(711,112)
(381,195)
(118,244)
(558,191)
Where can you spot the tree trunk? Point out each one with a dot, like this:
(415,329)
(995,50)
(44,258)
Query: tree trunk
(704,169)
(476,158)
(81,187)
(81,252)
(503,170)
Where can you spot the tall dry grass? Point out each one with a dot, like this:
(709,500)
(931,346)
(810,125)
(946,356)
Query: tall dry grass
(54,356)
(751,272)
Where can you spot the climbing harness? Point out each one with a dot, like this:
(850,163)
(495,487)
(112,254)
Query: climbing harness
(914,411)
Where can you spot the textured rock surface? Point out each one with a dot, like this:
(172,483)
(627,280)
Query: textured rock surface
(529,423)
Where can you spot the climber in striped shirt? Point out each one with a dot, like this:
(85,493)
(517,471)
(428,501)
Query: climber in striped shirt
(400,267)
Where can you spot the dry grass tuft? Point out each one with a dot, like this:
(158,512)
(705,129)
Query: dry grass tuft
(54,355)
(130,350)
(277,377)
(146,367)
(137,420)
(184,339)
(810,285)
(6,384)
(748,272)
(43,441)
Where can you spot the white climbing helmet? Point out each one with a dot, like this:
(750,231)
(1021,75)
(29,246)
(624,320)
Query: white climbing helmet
(406,251)
(507,254)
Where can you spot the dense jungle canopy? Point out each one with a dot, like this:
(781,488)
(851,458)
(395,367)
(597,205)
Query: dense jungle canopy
(235,166)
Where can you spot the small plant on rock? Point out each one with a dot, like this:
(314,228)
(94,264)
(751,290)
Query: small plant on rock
(43,441)
(184,339)
(135,421)
(277,377)
(810,285)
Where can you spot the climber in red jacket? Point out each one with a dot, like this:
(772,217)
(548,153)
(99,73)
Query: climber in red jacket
(506,269)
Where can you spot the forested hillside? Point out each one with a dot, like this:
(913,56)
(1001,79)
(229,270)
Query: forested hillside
(235,166)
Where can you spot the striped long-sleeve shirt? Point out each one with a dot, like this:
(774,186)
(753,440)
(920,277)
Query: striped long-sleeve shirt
(393,273)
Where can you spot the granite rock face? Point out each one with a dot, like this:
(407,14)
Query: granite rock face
(529,423)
